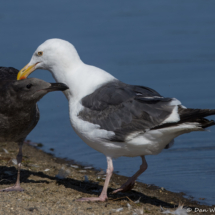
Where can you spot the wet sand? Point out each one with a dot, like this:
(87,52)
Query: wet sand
(52,186)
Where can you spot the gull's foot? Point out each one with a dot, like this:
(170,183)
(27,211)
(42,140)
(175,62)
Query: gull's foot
(125,187)
(14,188)
(93,199)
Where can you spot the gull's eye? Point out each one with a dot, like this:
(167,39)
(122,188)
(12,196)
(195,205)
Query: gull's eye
(40,53)
(29,86)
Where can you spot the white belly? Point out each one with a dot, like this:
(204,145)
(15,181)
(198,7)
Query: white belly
(149,143)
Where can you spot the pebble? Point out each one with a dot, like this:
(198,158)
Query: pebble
(63,173)
(88,167)
(14,161)
(101,172)
(6,151)
(34,165)
(117,210)
(74,166)
(129,206)
(138,201)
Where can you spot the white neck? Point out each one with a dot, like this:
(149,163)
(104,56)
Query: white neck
(81,79)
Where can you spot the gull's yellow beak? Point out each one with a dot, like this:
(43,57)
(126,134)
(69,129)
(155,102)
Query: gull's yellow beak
(25,72)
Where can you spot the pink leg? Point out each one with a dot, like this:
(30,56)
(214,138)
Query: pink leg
(17,186)
(103,195)
(131,181)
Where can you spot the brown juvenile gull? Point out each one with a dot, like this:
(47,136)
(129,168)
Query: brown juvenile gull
(115,118)
(19,113)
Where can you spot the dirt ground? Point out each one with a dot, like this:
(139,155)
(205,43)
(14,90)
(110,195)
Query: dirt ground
(53,185)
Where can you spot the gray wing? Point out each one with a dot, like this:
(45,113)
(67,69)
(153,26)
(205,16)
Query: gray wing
(125,109)
(8,73)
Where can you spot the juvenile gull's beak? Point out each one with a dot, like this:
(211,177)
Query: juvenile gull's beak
(56,87)
(26,71)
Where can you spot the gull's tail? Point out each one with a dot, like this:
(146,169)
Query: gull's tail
(189,115)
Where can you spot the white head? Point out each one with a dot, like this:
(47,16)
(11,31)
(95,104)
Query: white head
(51,55)
(62,60)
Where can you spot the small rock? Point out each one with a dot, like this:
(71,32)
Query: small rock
(14,161)
(63,173)
(39,145)
(74,166)
(88,167)
(6,151)
(101,172)
(34,165)
(117,210)
(129,206)
(138,211)
(138,201)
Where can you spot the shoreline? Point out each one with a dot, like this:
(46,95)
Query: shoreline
(48,180)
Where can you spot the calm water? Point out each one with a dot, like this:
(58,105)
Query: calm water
(167,45)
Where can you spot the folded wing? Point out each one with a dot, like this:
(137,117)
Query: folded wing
(126,109)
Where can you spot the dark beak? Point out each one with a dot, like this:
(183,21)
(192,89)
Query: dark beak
(57,87)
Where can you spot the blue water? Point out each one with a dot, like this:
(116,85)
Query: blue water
(166,45)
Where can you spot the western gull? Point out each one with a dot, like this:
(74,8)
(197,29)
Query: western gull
(115,118)
(19,113)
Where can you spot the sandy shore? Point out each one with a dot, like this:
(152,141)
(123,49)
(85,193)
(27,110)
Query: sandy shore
(47,194)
